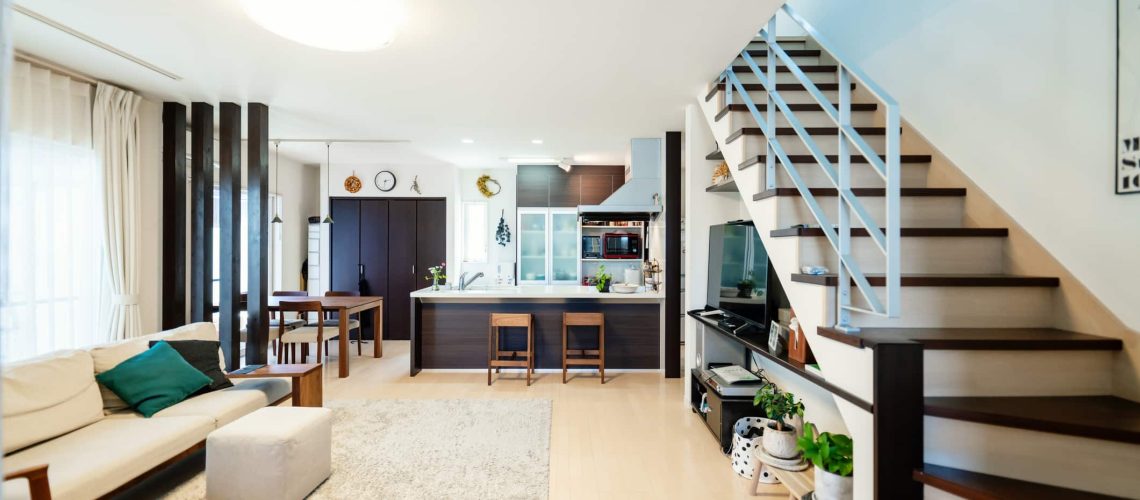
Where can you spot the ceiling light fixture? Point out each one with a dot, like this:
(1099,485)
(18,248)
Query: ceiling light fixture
(467,141)
(345,25)
(532,161)
(536,141)
(277,183)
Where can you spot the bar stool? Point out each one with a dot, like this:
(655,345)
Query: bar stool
(599,354)
(494,344)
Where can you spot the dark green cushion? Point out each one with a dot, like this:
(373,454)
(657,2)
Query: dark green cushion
(203,355)
(155,379)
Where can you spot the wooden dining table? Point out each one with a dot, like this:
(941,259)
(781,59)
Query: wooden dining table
(344,307)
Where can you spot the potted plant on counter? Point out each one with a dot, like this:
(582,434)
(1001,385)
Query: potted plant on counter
(834,460)
(602,279)
(780,407)
(436,275)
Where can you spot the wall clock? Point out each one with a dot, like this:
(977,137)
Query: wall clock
(385,180)
(352,184)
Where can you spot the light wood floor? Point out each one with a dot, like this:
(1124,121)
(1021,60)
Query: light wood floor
(633,437)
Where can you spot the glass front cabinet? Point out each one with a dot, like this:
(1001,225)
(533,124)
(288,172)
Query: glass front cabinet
(548,246)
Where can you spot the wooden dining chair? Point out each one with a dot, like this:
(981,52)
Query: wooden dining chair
(304,335)
(332,320)
(276,323)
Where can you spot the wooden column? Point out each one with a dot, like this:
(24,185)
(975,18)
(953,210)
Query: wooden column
(202,211)
(257,260)
(229,242)
(898,427)
(673,258)
(173,215)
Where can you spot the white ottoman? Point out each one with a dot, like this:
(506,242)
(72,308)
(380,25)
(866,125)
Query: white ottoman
(273,453)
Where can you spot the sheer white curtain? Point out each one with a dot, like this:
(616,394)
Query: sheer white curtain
(54,224)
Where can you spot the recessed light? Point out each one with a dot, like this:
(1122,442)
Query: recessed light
(536,141)
(467,141)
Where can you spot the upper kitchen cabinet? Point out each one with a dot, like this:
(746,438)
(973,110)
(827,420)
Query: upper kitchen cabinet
(542,186)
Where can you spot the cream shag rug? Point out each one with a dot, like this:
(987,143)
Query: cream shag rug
(431,449)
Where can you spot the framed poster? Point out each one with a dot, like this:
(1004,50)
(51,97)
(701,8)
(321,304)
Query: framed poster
(1127,168)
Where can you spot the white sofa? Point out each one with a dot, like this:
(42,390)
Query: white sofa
(55,413)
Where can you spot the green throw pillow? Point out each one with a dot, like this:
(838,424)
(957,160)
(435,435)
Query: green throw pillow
(154,379)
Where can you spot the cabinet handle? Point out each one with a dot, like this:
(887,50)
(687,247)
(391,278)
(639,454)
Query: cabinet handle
(413,269)
(362,271)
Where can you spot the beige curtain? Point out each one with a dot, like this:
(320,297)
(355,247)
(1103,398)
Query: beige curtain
(116,137)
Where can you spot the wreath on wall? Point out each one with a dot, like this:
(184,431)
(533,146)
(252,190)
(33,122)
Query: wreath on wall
(486,191)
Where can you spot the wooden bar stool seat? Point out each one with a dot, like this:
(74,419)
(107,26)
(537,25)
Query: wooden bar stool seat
(517,359)
(584,357)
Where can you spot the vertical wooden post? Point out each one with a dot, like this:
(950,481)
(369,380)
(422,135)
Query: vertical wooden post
(898,377)
(229,243)
(672,254)
(257,196)
(173,215)
(202,212)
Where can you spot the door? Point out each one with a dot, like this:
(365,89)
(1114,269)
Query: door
(564,251)
(373,272)
(344,244)
(431,238)
(532,246)
(403,275)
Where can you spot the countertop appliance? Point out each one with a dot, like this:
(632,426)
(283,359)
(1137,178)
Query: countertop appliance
(591,247)
(621,246)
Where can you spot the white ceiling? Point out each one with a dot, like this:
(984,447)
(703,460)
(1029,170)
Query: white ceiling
(585,76)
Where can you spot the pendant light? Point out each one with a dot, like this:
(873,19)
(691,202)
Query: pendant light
(328,182)
(276,183)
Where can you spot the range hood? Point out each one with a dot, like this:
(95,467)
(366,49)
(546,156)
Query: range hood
(641,193)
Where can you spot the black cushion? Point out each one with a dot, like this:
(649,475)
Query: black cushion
(203,355)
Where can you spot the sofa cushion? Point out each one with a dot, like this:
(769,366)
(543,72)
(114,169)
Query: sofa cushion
(203,356)
(153,380)
(94,460)
(110,355)
(222,406)
(48,396)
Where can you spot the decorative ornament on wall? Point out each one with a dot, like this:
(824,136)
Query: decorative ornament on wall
(416,184)
(721,174)
(385,181)
(488,191)
(352,184)
(503,233)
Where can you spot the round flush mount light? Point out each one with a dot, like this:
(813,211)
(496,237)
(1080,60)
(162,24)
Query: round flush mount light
(344,25)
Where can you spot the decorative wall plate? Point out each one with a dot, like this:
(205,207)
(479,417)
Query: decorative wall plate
(352,184)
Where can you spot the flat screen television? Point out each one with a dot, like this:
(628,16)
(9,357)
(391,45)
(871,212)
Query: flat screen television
(738,272)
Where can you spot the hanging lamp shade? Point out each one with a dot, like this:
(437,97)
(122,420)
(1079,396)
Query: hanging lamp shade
(328,171)
(276,183)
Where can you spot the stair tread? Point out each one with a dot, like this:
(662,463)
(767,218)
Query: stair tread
(810,130)
(855,159)
(911,232)
(942,280)
(789,52)
(975,485)
(806,68)
(1098,417)
(790,87)
(861,191)
(715,155)
(805,107)
(975,339)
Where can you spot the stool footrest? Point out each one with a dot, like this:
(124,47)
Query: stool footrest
(588,362)
(583,352)
(501,363)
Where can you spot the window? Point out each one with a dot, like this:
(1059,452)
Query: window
(274,278)
(475,231)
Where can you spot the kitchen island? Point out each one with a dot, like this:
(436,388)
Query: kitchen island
(449,327)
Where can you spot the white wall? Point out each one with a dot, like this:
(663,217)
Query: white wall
(500,259)
(1019,95)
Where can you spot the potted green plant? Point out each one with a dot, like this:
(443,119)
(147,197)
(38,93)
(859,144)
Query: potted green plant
(781,408)
(436,275)
(834,460)
(602,279)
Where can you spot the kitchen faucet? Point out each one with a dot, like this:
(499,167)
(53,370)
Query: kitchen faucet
(464,282)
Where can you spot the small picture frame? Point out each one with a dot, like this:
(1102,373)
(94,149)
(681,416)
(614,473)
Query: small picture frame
(777,339)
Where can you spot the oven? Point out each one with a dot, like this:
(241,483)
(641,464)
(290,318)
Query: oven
(621,246)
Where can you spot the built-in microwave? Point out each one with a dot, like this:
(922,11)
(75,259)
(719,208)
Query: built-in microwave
(591,247)
(621,246)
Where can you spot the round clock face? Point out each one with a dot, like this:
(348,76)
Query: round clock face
(352,184)
(385,180)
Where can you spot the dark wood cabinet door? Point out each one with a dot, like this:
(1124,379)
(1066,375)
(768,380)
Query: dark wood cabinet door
(374,258)
(596,188)
(403,275)
(533,187)
(344,244)
(565,190)
(431,238)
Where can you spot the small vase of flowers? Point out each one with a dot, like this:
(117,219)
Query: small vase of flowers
(436,275)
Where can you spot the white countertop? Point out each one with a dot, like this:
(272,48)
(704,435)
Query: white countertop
(536,292)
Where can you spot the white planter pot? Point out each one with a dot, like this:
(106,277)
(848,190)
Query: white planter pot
(780,444)
(830,486)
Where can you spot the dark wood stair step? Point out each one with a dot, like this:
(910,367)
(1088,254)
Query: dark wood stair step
(976,339)
(789,52)
(715,155)
(856,158)
(1098,417)
(906,232)
(939,280)
(810,130)
(790,87)
(806,68)
(807,107)
(978,486)
(861,191)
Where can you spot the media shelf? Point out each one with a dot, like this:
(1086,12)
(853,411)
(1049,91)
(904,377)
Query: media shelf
(758,343)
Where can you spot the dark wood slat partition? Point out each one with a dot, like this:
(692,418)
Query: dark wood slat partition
(257,194)
(229,244)
(673,254)
(173,215)
(202,210)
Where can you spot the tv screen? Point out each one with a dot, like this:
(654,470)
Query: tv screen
(738,272)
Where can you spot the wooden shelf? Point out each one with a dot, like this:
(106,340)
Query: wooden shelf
(612,227)
(715,156)
(723,187)
(758,343)
(612,260)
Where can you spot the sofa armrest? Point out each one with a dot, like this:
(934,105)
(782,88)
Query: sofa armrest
(37,477)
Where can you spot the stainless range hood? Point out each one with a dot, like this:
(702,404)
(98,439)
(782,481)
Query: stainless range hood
(641,193)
